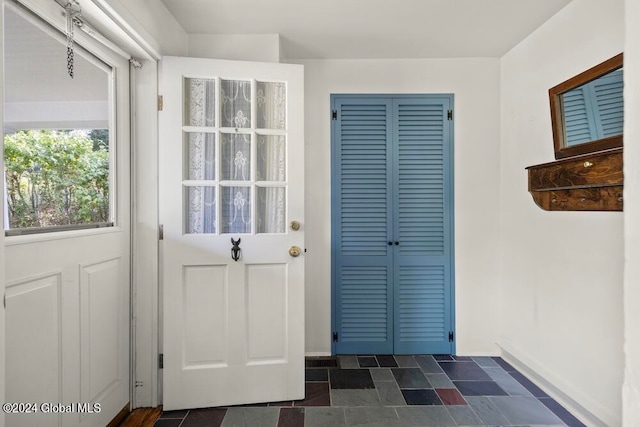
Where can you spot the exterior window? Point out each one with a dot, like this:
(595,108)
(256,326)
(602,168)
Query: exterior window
(57,132)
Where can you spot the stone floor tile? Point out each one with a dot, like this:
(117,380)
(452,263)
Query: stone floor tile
(291,417)
(440,381)
(324,417)
(347,397)
(507,382)
(421,397)
(486,411)
(350,379)
(464,371)
(174,414)
(462,358)
(479,388)
(387,361)
(389,394)
(534,389)
(372,417)
(381,374)
(348,362)
(450,396)
(205,417)
(442,357)
(504,365)
(525,410)
(316,394)
(464,416)
(410,378)
(561,412)
(428,364)
(485,362)
(432,416)
(316,374)
(249,417)
(406,361)
(368,362)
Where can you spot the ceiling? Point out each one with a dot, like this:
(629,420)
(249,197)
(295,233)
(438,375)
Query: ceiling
(362,29)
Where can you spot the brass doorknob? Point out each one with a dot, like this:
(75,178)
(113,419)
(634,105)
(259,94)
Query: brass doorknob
(294,251)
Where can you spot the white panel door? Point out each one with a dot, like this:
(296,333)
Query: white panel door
(231,170)
(67,292)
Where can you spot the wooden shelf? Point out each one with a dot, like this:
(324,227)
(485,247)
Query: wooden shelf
(591,182)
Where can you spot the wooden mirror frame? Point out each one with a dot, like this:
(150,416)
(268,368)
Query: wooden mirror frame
(557,116)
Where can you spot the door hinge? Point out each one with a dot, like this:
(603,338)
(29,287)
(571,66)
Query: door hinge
(334,115)
(335,337)
(160,102)
(450,336)
(160,361)
(160,232)
(449,114)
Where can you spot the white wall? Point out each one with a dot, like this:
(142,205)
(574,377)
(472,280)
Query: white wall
(561,271)
(151,20)
(631,390)
(240,47)
(475,83)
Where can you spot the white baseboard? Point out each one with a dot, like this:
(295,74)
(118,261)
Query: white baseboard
(317,353)
(550,382)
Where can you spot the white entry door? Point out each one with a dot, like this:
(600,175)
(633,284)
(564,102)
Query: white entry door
(67,250)
(231,169)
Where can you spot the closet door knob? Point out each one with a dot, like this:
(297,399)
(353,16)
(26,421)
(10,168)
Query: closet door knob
(389,243)
(397,243)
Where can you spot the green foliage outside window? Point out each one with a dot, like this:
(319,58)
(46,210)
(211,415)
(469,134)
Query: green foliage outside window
(57,177)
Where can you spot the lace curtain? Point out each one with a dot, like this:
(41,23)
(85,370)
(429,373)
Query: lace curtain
(234,161)
(200,155)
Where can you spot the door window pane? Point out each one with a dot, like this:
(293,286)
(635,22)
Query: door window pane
(270,210)
(200,155)
(236,210)
(271,158)
(199,100)
(235,103)
(57,144)
(236,157)
(271,98)
(200,202)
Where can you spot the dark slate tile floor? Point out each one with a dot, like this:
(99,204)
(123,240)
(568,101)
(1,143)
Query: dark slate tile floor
(384,390)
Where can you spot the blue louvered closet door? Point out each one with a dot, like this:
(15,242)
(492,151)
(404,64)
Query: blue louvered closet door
(392,216)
